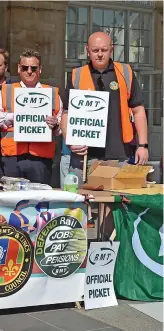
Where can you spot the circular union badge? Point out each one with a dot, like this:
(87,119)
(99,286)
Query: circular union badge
(113,85)
(61,247)
(16,259)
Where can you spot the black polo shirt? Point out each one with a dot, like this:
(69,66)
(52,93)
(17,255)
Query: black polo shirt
(115,148)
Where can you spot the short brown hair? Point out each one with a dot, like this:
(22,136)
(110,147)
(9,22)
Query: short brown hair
(30,53)
(5,54)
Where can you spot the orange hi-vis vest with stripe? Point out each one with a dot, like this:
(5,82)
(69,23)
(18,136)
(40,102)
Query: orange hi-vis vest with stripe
(9,147)
(82,79)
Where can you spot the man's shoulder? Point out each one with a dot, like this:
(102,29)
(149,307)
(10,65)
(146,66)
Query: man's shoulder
(126,70)
(48,85)
(123,64)
(81,66)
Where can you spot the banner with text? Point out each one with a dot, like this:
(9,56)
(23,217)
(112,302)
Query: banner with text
(87,118)
(43,248)
(31,106)
(99,290)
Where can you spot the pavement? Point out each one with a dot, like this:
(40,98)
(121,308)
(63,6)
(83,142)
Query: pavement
(59,318)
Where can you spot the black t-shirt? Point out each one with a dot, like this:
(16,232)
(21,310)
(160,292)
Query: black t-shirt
(115,148)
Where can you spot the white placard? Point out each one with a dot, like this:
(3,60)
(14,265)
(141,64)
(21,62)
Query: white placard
(99,290)
(31,106)
(87,118)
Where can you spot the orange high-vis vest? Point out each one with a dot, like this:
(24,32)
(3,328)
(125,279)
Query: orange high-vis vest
(11,148)
(82,79)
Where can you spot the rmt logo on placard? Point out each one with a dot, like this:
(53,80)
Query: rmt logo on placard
(102,256)
(32,99)
(88,103)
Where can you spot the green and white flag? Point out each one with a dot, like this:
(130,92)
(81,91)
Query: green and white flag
(139,267)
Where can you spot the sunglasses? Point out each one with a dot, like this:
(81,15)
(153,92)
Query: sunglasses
(100,84)
(33,68)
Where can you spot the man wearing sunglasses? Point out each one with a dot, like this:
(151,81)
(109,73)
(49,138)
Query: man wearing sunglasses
(102,74)
(32,160)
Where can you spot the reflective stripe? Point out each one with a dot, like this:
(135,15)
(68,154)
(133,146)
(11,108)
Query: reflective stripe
(77,77)
(9,98)
(8,134)
(126,76)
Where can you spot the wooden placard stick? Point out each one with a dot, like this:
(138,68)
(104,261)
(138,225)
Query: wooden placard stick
(85,168)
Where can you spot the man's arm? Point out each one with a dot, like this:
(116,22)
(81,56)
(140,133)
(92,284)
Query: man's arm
(140,122)
(79,150)
(63,124)
(64,93)
(57,129)
(54,121)
(6,119)
(136,103)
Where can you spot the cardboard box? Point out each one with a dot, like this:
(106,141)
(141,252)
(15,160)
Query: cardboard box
(113,177)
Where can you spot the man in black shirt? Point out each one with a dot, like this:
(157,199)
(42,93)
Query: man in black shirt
(103,72)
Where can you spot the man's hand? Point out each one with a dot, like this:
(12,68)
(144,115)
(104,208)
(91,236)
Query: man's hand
(141,156)
(79,150)
(6,120)
(52,122)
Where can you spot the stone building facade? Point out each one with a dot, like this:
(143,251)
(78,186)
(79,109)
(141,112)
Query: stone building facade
(39,25)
